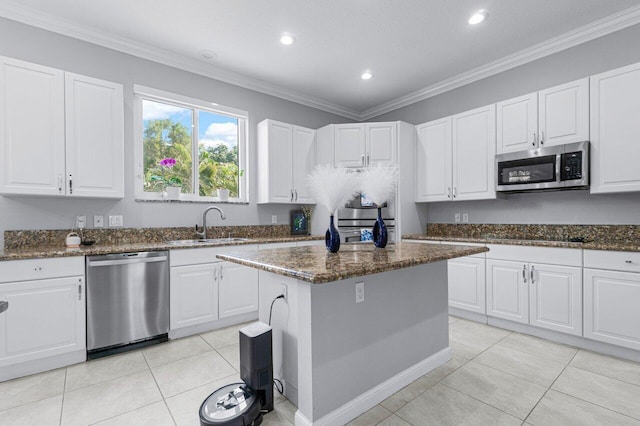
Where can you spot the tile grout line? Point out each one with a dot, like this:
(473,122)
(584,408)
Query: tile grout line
(551,385)
(164,401)
(64,387)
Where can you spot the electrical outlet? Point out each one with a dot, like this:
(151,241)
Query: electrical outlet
(360,292)
(81,222)
(457,217)
(274,219)
(465,217)
(283,291)
(98,221)
(115,220)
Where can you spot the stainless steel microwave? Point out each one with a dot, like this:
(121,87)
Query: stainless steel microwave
(555,167)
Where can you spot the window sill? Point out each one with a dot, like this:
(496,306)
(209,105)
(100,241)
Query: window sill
(211,201)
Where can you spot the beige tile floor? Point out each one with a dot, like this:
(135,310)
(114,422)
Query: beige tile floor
(495,378)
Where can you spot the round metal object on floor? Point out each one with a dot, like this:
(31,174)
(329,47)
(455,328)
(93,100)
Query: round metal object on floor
(232,405)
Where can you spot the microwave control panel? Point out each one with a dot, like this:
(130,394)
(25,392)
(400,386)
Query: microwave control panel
(571,166)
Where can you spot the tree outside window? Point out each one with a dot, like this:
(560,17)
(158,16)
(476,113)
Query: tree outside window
(199,162)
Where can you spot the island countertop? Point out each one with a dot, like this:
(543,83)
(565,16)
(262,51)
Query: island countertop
(315,265)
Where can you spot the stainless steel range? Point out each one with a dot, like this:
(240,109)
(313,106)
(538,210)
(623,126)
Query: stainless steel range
(359,215)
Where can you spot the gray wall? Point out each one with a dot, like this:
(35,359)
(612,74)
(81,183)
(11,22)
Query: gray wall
(606,53)
(50,49)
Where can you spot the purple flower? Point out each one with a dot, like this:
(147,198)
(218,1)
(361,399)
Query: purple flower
(168,162)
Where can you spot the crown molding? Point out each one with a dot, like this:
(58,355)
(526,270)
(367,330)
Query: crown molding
(592,31)
(14,11)
(20,13)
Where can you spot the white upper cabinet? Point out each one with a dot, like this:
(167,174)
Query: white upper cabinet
(62,133)
(433,161)
(455,157)
(615,126)
(553,116)
(32,126)
(563,113)
(517,123)
(361,145)
(95,139)
(474,150)
(285,158)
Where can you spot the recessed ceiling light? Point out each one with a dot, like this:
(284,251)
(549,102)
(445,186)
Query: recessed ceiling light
(367,75)
(208,54)
(287,39)
(478,17)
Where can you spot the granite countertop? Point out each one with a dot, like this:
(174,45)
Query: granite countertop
(62,251)
(315,265)
(587,245)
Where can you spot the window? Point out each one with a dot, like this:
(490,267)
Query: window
(192,144)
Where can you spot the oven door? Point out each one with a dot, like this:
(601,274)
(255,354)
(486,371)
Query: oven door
(539,172)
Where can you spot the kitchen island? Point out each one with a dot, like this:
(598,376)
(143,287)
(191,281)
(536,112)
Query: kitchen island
(356,326)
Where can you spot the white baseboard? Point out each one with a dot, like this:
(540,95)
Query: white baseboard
(472,316)
(39,365)
(567,339)
(374,396)
(212,325)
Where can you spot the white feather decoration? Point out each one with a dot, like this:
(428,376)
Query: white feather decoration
(332,187)
(378,183)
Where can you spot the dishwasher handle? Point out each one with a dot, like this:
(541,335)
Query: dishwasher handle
(127,261)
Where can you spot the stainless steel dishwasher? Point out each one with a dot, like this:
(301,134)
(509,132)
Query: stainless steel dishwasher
(127,301)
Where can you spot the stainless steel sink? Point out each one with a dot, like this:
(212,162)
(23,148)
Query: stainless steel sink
(205,241)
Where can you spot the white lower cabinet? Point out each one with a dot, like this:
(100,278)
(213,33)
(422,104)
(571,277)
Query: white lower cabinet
(46,311)
(193,295)
(540,294)
(238,289)
(611,306)
(467,283)
(204,289)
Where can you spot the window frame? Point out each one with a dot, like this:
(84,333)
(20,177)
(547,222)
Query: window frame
(141,93)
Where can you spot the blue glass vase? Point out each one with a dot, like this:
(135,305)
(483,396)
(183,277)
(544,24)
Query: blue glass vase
(380,231)
(332,237)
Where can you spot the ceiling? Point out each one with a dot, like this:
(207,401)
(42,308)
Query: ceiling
(415,48)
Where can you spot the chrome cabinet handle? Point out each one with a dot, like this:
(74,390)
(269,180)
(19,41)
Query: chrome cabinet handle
(221,276)
(70,184)
(368,159)
(534,139)
(80,291)
(524,273)
(292,195)
(215,274)
(4,305)
(542,138)
(60,183)
(362,160)
(455,194)
(449,192)
(628,261)
(296,192)
(532,276)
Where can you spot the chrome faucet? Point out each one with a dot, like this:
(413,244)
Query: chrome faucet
(203,234)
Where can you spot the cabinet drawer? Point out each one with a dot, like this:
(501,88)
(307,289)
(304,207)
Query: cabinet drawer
(613,260)
(459,243)
(35,269)
(198,256)
(531,254)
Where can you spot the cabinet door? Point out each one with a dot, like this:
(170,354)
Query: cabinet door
(95,138)
(275,168)
(563,113)
(303,163)
(433,161)
(44,318)
(517,121)
(474,150)
(238,289)
(555,297)
(507,292)
(193,295)
(349,145)
(381,144)
(615,108)
(467,284)
(611,313)
(31,129)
